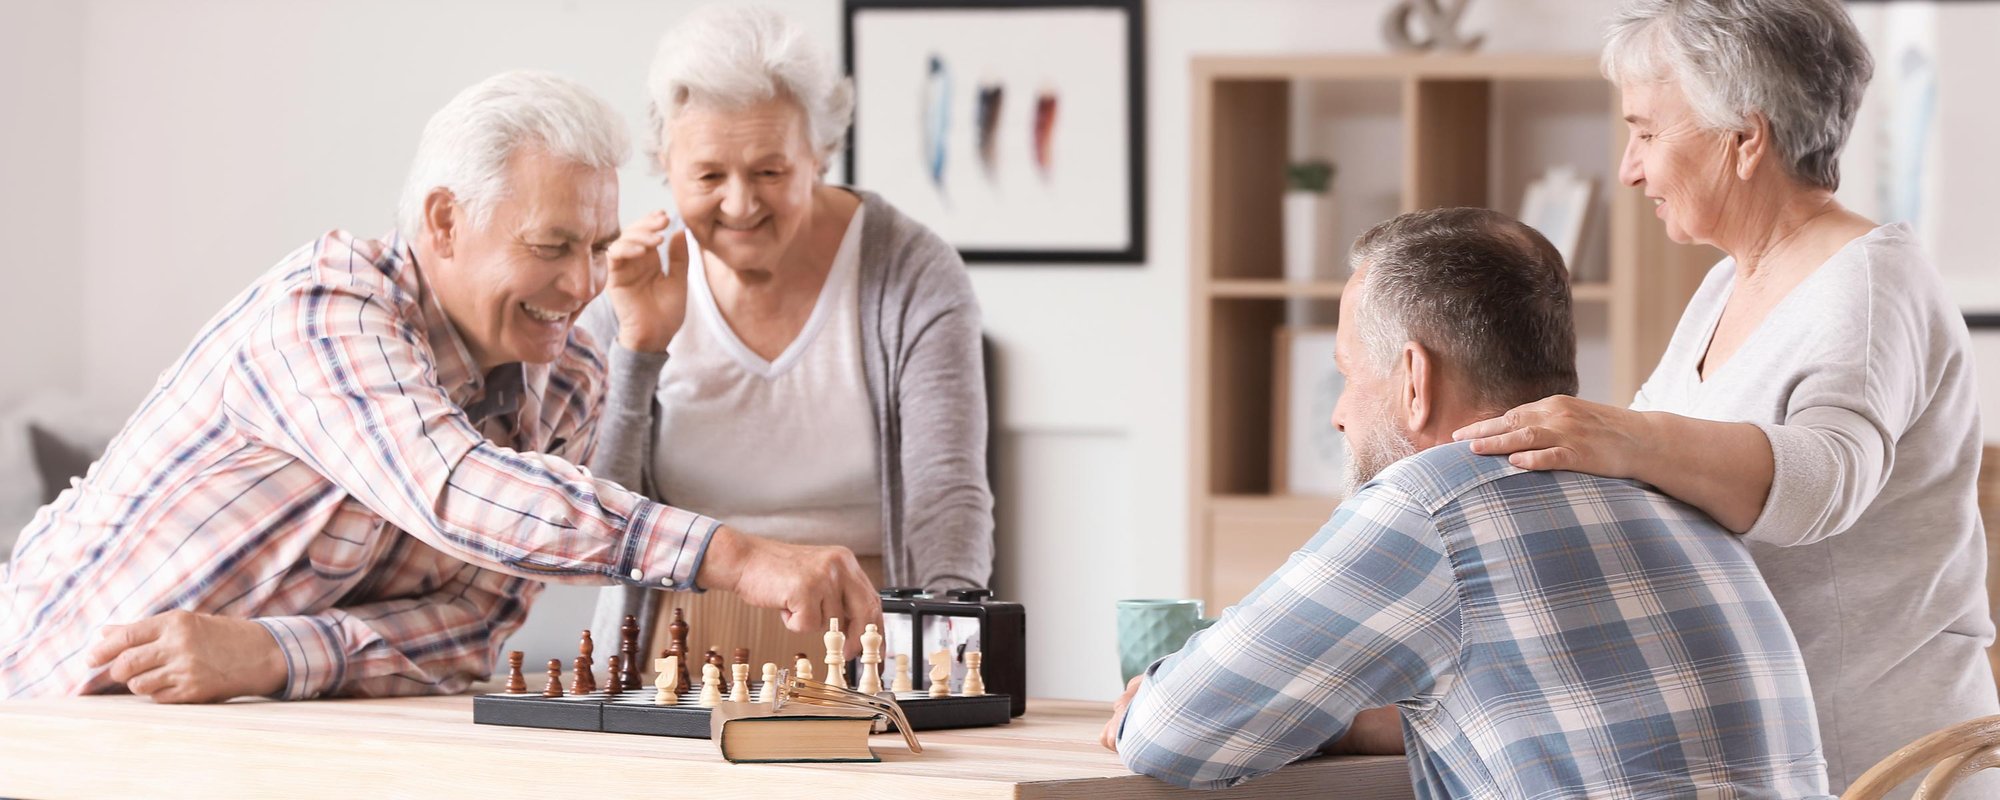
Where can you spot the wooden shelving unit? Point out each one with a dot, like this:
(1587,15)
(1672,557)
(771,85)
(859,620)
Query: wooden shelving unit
(1458,116)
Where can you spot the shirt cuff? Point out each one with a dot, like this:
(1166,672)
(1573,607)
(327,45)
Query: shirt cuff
(314,662)
(665,546)
(1801,481)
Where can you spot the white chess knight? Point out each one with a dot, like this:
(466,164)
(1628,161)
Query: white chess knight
(870,681)
(941,673)
(668,683)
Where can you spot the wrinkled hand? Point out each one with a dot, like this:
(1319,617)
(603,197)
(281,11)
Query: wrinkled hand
(807,584)
(1562,432)
(650,302)
(184,657)
(1109,738)
(1375,732)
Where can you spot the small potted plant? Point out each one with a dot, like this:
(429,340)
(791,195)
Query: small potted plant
(1309,228)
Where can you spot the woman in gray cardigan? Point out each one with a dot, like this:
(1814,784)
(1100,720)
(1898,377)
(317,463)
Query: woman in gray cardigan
(808,366)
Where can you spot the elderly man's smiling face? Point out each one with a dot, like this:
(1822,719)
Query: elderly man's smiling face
(514,286)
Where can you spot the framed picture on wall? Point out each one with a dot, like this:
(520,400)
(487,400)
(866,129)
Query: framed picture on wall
(1308,455)
(1015,130)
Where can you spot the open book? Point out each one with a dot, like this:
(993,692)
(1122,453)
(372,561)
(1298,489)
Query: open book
(752,733)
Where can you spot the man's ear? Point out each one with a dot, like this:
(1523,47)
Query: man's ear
(1751,146)
(1419,396)
(440,221)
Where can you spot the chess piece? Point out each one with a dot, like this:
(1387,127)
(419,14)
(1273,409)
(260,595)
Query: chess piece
(836,659)
(677,644)
(516,682)
(721,667)
(612,685)
(739,683)
(803,666)
(666,688)
(711,686)
(554,688)
(941,673)
(586,677)
(870,681)
(628,648)
(975,684)
(740,656)
(903,682)
(579,680)
(768,693)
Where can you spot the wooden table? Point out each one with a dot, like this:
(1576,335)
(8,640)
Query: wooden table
(122,746)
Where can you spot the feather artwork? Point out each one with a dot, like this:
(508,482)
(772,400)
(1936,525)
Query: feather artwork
(1045,131)
(987,117)
(936,119)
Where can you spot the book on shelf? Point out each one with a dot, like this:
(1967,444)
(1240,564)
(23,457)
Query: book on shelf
(753,733)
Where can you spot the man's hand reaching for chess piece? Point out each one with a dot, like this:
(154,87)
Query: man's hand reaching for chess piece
(806,584)
(184,657)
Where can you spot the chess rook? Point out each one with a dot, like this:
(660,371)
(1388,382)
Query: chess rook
(975,684)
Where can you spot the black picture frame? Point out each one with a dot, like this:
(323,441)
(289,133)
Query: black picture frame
(1134,251)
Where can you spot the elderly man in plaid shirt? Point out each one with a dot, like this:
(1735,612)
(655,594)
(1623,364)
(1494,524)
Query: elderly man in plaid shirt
(358,476)
(1518,634)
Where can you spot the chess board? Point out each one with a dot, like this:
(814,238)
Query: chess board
(634,712)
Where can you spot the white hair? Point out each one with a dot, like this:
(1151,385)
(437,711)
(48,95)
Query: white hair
(1800,63)
(467,143)
(728,57)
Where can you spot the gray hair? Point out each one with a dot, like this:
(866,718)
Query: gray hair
(1487,296)
(467,143)
(1801,63)
(728,57)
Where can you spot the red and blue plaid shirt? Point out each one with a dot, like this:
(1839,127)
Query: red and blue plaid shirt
(327,460)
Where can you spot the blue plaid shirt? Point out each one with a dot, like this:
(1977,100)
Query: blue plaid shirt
(1543,634)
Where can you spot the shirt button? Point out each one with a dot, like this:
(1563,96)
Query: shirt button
(666,581)
(638,576)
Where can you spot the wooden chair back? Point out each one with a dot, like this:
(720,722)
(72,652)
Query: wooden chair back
(1952,754)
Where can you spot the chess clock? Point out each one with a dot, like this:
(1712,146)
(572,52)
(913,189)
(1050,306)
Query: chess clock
(915,624)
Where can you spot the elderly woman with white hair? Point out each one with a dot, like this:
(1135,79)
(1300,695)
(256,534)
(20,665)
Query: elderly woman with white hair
(1817,396)
(807,365)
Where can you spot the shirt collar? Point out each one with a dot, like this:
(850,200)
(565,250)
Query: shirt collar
(499,392)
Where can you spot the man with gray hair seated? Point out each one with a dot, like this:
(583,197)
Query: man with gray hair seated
(1519,634)
(358,475)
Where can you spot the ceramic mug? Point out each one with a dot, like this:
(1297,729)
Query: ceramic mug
(1149,630)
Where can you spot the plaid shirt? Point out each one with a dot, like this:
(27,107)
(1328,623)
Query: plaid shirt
(327,460)
(1543,634)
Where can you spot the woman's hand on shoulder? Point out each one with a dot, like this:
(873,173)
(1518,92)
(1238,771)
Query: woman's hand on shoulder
(1563,432)
(651,302)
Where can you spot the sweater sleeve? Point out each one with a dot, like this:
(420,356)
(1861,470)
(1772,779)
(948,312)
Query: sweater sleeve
(947,508)
(624,444)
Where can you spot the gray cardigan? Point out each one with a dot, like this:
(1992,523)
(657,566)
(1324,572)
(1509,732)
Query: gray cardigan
(920,351)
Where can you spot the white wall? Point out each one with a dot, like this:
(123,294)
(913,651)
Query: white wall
(195,141)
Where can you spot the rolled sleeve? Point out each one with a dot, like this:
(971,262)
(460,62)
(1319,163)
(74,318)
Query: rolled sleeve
(666,546)
(1803,470)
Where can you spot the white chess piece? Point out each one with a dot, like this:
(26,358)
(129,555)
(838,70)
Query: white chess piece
(871,661)
(739,686)
(711,686)
(803,667)
(836,659)
(941,673)
(768,693)
(903,682)
(668,681)
(975,684)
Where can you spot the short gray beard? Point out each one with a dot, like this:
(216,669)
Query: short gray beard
(1373,446)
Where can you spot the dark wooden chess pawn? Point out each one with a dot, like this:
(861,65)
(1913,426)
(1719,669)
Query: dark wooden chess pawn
(586,669)
(628,649)
(579,679)
(516,682)
(554,689)
(612,686)
(715,657)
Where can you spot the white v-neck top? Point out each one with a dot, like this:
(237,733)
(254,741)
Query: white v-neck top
(1870,539)
(782,448)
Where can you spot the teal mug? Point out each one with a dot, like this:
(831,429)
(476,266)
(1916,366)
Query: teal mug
(1149,630)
